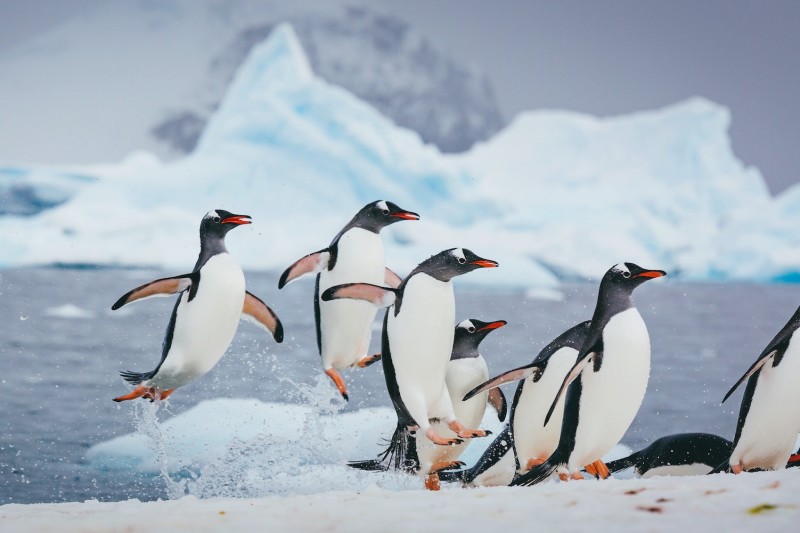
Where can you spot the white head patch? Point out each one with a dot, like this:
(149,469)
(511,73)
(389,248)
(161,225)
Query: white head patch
(458,253)
(622,269)
(382,205)
(466,324)
(212,214)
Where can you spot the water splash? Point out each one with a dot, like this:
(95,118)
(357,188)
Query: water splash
(145,420)
(302,459)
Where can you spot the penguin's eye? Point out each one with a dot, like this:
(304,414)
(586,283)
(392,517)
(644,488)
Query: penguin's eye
(626,275)
(216,219)
(461,260)
(471,329)
(385,211)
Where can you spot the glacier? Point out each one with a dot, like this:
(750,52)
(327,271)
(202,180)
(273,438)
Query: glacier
(555,195)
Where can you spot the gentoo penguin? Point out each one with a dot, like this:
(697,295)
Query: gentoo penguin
(606,385)
(685,454)
(526,441)
(466,369)
(417,340)
(344,328)
(204,320)
(769,418)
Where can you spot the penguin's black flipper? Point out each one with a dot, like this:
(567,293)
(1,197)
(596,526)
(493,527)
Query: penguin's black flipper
(512,375)
(259,313)
(624,463)
(776,348)
(569,378)
(375,294)
(160,287)
(314,262)
(498,400)
(500,446)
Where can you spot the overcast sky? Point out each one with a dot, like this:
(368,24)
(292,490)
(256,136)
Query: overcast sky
(603,58)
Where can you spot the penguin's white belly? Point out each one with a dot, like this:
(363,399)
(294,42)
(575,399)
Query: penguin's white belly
(499,474)
(421,340)
(204,327)
(346,325)
(462,376)
(534,440)
(694,469)
(773,421)
(612,396)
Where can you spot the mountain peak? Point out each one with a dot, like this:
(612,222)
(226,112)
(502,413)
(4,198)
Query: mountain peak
(279,64)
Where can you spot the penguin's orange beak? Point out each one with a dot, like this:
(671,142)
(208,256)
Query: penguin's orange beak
(486,263)
(237,219)
(406,215)
(494,325)
(650,274)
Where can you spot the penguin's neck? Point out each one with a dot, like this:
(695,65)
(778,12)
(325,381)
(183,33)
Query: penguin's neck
(612,300)
(208,249)
(464,350)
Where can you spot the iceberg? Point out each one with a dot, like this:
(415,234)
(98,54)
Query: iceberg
(556,195)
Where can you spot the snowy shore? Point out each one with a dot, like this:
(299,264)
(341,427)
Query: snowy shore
(764,501)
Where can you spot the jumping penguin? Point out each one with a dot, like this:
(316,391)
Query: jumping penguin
(526,441)
(417,340)
(466,369)
(769,417)
(606,385)
(204,320)
(684,454)
(344,328)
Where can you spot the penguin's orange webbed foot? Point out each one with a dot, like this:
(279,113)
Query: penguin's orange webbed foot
(534,462)
(441,441)
(145,393)
(737,468)
(432,482)
(597,469)
(138,392)
(339,382)
(446,465)
(465,433)
(577,476)
(371,359)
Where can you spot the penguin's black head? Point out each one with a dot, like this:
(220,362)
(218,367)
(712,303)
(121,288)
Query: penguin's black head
(377,215)
(454,262)
(469,334)
(219,222)
(629,275)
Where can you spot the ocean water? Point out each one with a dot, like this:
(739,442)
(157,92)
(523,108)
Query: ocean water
(62,347)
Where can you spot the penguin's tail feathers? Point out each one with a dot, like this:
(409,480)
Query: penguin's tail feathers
(370,465)
(625,462)
(400,454)
(135,378)
(536,474)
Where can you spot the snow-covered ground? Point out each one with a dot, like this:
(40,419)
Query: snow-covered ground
(238,463)
(765,501)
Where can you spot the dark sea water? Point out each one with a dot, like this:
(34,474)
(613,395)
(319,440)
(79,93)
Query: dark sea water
(59,366)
